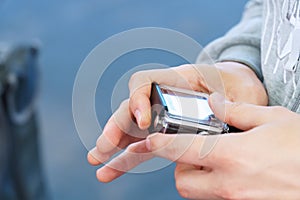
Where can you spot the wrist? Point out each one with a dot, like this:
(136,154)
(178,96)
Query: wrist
(237,66)
(244,54)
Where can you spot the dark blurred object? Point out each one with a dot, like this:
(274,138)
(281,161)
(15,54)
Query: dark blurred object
(21,176)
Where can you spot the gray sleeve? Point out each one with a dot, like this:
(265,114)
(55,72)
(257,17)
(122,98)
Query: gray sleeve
(241,43)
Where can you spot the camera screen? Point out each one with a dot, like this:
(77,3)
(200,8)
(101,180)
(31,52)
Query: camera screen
(184,105)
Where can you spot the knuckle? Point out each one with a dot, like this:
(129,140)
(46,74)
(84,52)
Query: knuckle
(260,92)
(160,143)
(177,173)
(278,109)
(131,148)
(167,148)
(182,188)
(123,106)
(138,82)
(134,155)
(231,158)
(124,103)
(99,143)
(234,111)
(229,191)
(135,77)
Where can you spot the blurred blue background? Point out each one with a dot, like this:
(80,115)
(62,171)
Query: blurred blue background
(67,31)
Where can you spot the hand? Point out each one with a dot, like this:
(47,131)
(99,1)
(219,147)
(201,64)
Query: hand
(237,81)
(261,163)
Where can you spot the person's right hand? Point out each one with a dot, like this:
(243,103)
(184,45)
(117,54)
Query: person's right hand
(236,81)
(262,162)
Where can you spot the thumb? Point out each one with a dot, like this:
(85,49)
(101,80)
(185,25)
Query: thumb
(183,148)
(240,115)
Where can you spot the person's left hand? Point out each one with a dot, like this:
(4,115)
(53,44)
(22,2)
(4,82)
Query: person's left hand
(130,121)
(261,163)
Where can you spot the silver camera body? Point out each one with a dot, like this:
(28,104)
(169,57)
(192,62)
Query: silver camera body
(176,110)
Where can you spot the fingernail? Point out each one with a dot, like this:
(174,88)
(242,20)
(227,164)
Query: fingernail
(148,141)
(99,175)
(143,119)
(148,144)
(138,116)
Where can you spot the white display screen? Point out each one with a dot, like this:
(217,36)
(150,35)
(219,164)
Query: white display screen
(188,106)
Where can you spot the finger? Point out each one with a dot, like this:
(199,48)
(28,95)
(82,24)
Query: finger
(140,106)
(97,157)
(134,155)
(118,132)
(140,88)
(241,115)
(183,148)
(140,91)
(192,183)
(106,144)
(211,78)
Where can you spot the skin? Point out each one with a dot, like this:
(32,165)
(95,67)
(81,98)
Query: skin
(260,163)
(126,124)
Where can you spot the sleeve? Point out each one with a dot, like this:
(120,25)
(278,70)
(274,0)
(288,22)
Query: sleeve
(241,43)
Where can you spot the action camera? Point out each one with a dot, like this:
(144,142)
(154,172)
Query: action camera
(176,110)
